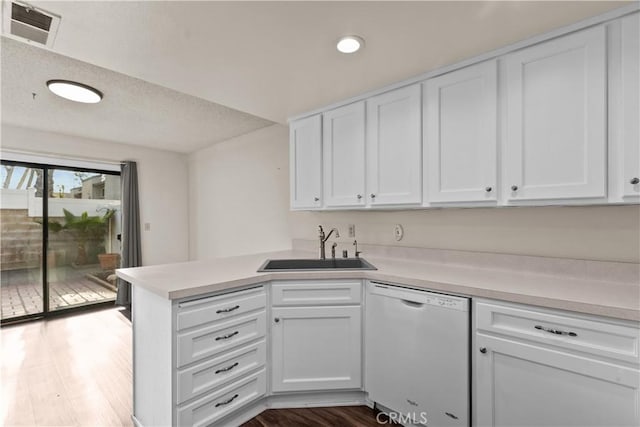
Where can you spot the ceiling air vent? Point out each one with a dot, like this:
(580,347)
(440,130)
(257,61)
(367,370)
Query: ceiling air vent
(30,23)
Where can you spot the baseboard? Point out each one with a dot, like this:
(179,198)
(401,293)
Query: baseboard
(243,415)
(297,400)
(316,399)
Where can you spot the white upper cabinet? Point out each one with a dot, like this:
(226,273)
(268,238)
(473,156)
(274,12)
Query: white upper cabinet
(394,160)
(555,112)
(460,135)
(305,162)
(344,156)
(630,129)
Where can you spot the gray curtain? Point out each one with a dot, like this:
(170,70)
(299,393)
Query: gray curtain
(131,253)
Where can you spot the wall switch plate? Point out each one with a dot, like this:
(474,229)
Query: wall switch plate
(398,232)
(352,230)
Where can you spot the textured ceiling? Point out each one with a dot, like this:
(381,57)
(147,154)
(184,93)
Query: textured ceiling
(278,59)
(133,111)
(269,59)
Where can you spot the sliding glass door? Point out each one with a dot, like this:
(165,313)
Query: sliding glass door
(73,213)
(21,241)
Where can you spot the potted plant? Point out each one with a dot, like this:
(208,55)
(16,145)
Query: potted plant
(85,228)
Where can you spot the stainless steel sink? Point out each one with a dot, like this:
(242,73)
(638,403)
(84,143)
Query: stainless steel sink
(315,264)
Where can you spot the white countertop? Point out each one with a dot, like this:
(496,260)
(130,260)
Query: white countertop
(183,280)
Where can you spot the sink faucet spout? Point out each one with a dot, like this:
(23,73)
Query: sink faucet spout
(323,238)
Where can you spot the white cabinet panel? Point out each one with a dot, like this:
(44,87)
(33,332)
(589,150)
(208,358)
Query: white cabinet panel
(394,161)
(312,292)
(212,373)
(555,110)
(316,348)
(344,156)
(518,384)
(460,135)
(205,310)
(305,162)
(630,93)
(214,338)
(213,406)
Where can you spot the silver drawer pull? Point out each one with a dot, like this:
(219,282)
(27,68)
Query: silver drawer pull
(228,310)
(450,415)
(556,331)
(226,402)
(226,337)
(228,368)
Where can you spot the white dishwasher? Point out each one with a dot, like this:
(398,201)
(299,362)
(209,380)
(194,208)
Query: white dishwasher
(417,355)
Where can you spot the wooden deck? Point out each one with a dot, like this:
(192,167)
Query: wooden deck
(21,291)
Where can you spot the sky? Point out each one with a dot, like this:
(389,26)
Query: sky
(62,179)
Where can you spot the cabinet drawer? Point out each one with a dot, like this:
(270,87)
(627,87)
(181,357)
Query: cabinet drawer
(209,340)
(216,405)
(219,370)
(603,338)
(205,310)
(316,293)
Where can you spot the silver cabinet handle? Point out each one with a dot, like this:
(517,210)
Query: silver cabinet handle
(373,196)
(316,199)
(227,310)
(359,196)
(514,188)
(226,402)
(555,331)
(634,181)
(228,368)
(277,319)
(488,189)
(226,337)
(483,350)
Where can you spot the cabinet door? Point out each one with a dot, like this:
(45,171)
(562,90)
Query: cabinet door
(519,384)
(460,135)
(394,163)
(316,348)
(631,105)
(343,148)
(555,111)
(305,160)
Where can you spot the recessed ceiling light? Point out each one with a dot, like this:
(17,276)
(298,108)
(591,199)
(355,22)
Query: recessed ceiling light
(75,91)
(350,44)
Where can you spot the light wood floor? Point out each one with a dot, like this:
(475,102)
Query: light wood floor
(76,371)
(72,371)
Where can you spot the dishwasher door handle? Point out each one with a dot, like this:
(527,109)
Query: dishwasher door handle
(412,303)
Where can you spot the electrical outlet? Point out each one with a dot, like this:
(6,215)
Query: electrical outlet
(398,232)
(352,230)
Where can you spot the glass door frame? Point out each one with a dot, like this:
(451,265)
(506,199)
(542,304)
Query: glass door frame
(46,311)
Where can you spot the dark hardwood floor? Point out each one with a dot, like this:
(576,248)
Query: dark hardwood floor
(341,416)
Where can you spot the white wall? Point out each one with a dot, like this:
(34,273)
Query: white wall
(239,204)
(239,195)
(163,184)
(607,233)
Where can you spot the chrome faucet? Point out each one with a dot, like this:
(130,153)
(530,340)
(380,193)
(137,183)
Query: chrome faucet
(355,243)
(324,238)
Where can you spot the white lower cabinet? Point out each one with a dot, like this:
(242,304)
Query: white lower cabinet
(219,360)
(213,406)
(220,355)
(527,372)
(317,344)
